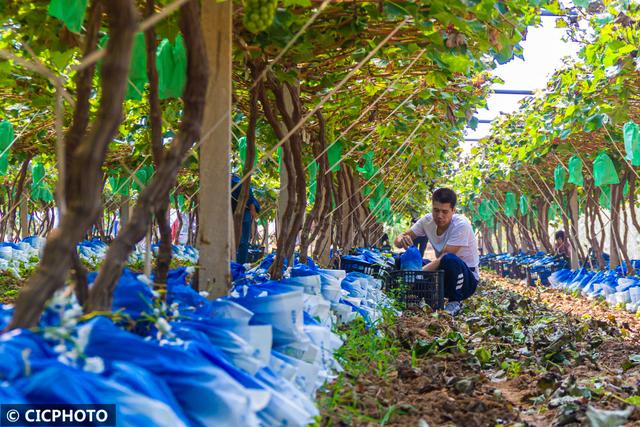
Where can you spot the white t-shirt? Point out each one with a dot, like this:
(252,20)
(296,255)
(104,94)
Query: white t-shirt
(460,233)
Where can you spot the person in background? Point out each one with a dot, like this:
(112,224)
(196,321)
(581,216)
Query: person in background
(251,211)
(455,244)
(384,243)
(179,235)
(420,242)
(562,245)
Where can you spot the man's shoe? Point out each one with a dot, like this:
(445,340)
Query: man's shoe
(453,307)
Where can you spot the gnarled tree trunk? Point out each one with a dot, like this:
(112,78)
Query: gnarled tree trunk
(163,260)
(157,192)
(286,95)
(9,219)
(84,175)
(316,217)
(243,197)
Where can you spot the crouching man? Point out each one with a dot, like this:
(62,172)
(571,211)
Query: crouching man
(455,244)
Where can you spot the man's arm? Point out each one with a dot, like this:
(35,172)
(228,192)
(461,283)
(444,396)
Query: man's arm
(405,239)
(435,264)
(450,249)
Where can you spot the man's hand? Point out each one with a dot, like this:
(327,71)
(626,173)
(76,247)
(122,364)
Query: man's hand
(433,265)
(404,241)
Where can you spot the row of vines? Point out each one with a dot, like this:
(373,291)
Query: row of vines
(569,156)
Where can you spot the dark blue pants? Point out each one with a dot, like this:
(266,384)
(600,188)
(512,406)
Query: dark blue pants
(243,247)
(459,281)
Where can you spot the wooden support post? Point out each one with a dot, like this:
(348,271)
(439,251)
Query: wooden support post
(215,221)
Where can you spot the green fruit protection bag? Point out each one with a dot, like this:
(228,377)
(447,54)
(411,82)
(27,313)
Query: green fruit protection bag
(605,197)
(494,206)
(4,164)
(631,132)
(313,183)
(171,61)
(142,177)
(380,191)
(386,207)
(242,149)
(140,180)
(279,155)
(37,176)
(625,190)
(367,170)
(6,135)
(6,139)
(524,205)
(137,69)
(510,204)
(71,12)
(560,176)
(120,185)
(39,188)
(604,171)
(484,210)
(552,212)
(334,154)
(575,171)
(181,200)
(43,194)
(381,208)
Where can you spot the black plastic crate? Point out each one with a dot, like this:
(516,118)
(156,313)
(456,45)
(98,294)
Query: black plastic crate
(530,277)
(375,270)
(503,269)
(256,253)
(522,271)
(415,287)
(513,270)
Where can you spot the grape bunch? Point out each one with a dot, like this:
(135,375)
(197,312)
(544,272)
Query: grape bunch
(258,14)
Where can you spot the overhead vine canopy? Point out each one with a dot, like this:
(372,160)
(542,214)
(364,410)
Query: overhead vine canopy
(578,134)
(417,91)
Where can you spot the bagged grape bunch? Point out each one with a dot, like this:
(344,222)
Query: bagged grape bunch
(258,14)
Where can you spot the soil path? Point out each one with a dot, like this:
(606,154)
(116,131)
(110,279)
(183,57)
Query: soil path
(578,306)
(515,356)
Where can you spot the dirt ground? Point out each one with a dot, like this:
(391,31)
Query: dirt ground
(576,306)
(515,356)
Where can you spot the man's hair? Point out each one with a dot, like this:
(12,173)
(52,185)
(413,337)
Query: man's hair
(560,235)
(445,195)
